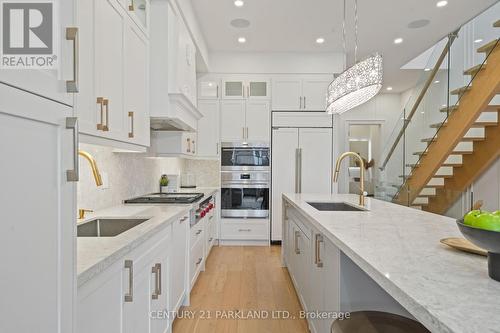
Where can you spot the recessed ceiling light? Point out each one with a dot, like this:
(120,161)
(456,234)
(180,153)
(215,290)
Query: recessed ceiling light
(239,3)
(427,70)
(479,40)
(389,88)
(320,40)
(437,81)
(242,40)
(398,40)
(441,3)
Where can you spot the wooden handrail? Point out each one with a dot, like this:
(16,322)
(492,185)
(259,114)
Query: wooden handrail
(430,79)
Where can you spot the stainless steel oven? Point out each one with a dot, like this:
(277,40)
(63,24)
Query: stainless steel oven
(245,157)
(245,194)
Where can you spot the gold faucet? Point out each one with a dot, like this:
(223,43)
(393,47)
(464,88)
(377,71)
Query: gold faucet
(362,173)
(93,165)
(81,213)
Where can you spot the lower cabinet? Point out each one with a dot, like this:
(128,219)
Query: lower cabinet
(197,253)
(313,263)
(179,287)
(133,295)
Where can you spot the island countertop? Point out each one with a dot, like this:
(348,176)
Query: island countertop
(399,248)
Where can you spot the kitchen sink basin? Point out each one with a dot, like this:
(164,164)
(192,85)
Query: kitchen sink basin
(335,206)
(107,227)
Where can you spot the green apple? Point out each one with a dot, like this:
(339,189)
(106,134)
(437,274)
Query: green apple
(488,221)
(470,217)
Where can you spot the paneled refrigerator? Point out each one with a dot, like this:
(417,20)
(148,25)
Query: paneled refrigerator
(302,159)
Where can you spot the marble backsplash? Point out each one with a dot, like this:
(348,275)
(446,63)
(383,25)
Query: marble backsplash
(127,175)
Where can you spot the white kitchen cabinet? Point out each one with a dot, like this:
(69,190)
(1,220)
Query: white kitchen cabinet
(122,297)
(248,89)
(179,263)
(52,83)
(300,271)
(300,92)
(37,245)
(137,85)
(258,121)
(311,151)
(208,129)
(173,143)
(113,101)
(232,120)
(208,88)
(243,120)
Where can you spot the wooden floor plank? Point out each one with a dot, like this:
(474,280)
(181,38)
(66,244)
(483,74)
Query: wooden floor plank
(243,279)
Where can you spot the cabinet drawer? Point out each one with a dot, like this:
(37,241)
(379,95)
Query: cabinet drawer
(196,261)
(197,232)
(244,230)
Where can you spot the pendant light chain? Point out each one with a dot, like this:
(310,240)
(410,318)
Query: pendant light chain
(356,31)
(344,38)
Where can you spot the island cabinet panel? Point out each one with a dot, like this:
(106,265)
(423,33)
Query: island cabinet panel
(125,297)
(314,265)
(179,286)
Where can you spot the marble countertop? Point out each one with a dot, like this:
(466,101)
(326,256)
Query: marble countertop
(95,254)
(399,248)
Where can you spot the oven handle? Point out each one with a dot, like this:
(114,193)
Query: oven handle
(245,185)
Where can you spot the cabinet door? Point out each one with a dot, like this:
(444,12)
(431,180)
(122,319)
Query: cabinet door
(136,311)
(49,83)
(136,85)
(258,89)
(287,94)
(179,266)
(258,121)
(208,128)
(233,89)
(109,48)
(208,89)
(285,143)
(316,146)
(232,120)
(314,92)
(37,245)
(318,278)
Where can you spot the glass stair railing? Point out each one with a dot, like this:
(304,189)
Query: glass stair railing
(445,121)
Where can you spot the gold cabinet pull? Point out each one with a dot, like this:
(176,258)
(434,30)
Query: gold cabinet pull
(317,252)
(100,102)
(105,102)
(189,145)
(129,297)
(131,133)
(72,34)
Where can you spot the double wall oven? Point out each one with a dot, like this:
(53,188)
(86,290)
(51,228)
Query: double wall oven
(245,180)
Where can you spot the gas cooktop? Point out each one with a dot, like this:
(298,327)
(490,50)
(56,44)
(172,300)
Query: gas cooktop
(166,198)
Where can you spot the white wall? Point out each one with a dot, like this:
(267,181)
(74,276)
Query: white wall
(276,63)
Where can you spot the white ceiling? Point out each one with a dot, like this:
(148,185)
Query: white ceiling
(294,25)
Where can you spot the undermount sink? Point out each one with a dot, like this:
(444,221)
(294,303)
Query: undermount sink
(107,227)
(335,206)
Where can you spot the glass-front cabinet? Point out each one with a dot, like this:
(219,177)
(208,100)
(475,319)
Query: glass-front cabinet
(246,89)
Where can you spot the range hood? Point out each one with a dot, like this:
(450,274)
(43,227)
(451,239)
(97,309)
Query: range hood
(172,70)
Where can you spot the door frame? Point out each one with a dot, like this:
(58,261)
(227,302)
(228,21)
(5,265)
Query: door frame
(344,179)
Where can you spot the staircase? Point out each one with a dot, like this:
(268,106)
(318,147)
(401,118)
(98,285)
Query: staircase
(465,144)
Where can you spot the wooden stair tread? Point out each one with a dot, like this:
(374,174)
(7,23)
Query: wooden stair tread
(487,47)
(474,69)
(490,108)
(464,139)
(496,24)
(461,90)
(475,125)
(426,195)
(442,176)
(454,152)
(434,186)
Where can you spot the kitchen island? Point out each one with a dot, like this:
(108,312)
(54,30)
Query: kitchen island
(398,248)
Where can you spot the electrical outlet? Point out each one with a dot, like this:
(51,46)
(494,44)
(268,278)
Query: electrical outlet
(105,181)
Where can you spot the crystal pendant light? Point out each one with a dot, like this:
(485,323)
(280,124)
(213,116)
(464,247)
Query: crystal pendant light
(357,84)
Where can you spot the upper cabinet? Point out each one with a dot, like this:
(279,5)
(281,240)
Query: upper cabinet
(208,129)
(242,120)
(114,51)
(300,92)
(250,89)
(208,88)
(57,84)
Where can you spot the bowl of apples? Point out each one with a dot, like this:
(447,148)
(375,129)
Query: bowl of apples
(482,228)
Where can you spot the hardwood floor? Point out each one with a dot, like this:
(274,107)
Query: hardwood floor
(248,279)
